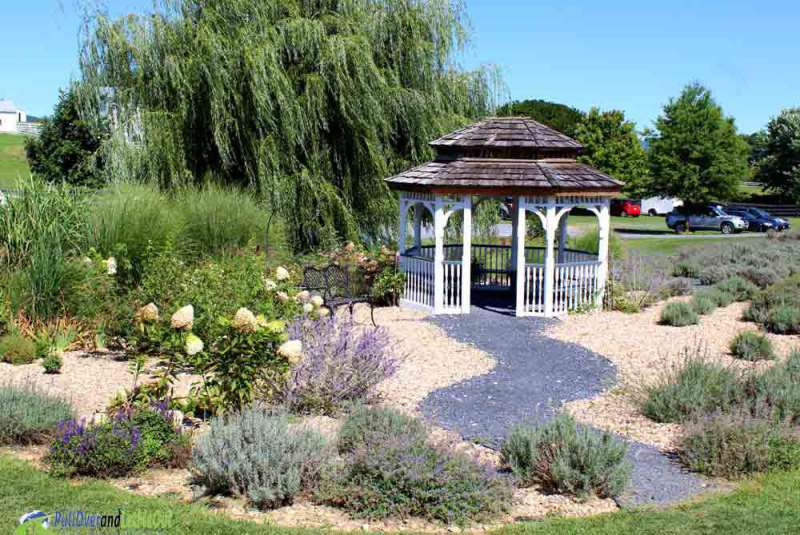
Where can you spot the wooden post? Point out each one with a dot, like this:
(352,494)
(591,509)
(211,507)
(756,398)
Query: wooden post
(401,238)
(438,257)
(604,229)
(418,208)
(466,256)
(519,249)
(549,256)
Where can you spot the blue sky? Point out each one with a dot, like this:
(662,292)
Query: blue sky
(630,55)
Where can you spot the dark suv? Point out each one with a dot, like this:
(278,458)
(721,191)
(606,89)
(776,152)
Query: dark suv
(757,219)
(704,217)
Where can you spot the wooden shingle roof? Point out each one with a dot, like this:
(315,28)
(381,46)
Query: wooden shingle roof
(506,155)
(508,132)
(506,175)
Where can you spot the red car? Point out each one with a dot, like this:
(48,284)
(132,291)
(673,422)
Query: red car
(625,208)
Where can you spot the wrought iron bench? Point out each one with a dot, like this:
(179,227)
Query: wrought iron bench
(335,286)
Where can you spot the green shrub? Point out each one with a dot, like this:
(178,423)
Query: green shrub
(678,314)
(28,415)
(721,297)
(703,304)
(749,345)
(784,319)
(736,444)
(739,288)
(367,426)
(696,385)
(779,389)
(400,476)
(590,241)
(564,457)
(52,363)
(685,268)
(17,349)
(257,455)
(130,440)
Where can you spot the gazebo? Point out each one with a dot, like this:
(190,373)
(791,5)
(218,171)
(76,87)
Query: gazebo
(536,168)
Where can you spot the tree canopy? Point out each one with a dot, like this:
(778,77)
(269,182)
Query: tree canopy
(311,102)
(779,168)
(66,148)
(558,116)
(695,153)
(611,145)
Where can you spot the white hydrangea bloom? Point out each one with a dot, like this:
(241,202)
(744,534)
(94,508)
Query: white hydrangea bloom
(308,308)
(282,297)
(111,265)
(245,321)
(149,312)
(270,284)
(281,273)
(291,351)
(303,296)
(193,344)
(183,318)
(317,301)
(324,312)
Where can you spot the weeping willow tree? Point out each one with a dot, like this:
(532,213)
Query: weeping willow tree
(309,102)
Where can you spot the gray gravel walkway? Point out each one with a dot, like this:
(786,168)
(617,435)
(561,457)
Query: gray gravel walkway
(534,376)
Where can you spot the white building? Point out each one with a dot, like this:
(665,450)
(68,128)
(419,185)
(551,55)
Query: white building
(11,116)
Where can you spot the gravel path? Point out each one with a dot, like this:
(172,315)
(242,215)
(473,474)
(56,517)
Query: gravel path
(534,376)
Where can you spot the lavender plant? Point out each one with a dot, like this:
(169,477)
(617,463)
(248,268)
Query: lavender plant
(341,364)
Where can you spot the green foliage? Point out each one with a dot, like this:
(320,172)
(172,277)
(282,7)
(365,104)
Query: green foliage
(735,444)
(52,363)
(560,117)
(703,304)
(678,314)
(368,426)
(697,385)
(17,349)
(784,319)
(612,145)
(564,457)
(779,389)
(66,148)
(749,345)
(28,415)
(590,243)
(396,474)
(389,286)
(777,308)
(739,288)
(779,169)
(257,455)
(696,154)
(314,113)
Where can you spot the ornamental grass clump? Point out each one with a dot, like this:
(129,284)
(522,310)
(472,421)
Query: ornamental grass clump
(734,444)
(696,385)
(749,345)
(257,455)
(368,426)
(397,474)
(703,304)
(17,349)
(562,456)
(28,415)
(678,314)
(341,364)
(739,288)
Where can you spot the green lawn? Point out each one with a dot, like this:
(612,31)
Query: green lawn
(765,505)
(13,163)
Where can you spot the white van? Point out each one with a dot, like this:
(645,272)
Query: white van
(660,205)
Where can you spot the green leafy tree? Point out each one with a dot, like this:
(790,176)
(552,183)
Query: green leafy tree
(779,169)
(558,116)
(66,148)
(311,102)
(696,154)
(611,145)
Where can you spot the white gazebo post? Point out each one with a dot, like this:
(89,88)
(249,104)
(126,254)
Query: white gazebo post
(519,251)
(466,256)
(604,229)
(401,238)
(438,256)
(562,236)
(549,255)
(514,232)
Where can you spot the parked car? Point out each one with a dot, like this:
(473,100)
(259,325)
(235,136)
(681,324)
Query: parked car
(704,217)
(757,219)
(625,208)
(659,205)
